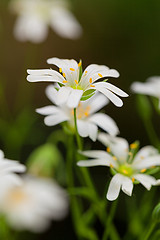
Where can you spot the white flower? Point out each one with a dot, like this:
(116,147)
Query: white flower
(127,167)
(74,87)
(32,205)
(8,168)
(87,119)
(151,87)
(34,16)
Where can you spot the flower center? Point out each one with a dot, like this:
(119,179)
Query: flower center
(17,196)
(125,170)
(82,112)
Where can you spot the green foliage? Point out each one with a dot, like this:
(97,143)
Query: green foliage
(144,106)
(87,94)
(156,213)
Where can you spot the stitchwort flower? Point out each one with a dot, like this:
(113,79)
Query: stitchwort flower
(32,205)
(34,16)
(75,85)
(127,165)
(88,120)
(151,87)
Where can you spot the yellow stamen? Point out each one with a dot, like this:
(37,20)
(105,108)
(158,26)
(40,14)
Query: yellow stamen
(86,114)
(60,70)
(76,81)
(65,81)
(108,149)
(143,170)
(64,75)
(114,158)
(141,157)
(111,165)
(100,75)
(72,69)
(133,179)
(133,145)
(79,64)
(86,72)
(90,80)
(92,86)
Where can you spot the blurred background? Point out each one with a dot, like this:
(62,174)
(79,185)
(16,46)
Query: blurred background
(124,35)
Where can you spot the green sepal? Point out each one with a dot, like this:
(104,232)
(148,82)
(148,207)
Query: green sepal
(60,84)
(87,94)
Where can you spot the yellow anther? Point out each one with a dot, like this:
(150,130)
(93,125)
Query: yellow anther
(86,114)
(72,69)
(108,149)
(133,179)
(130,154)
(141,157)
(124,171)
(76,81)
(79,64)
(64,75)
(143,170)
(111,165)
(85,72)
(133,145)
(65,81)
(60,70)
(114,158)
(100,75)
(90,80)
(92,85)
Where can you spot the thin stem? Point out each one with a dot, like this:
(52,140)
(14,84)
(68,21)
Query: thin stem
(150,230)
(79,142)
(151,133)
(109,221)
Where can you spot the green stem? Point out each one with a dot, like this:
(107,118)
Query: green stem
(149,231)
(151,133)
(108,227)
(79,142)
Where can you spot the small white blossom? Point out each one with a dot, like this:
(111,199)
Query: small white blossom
(8,168)
(32,205)
(127,167)
(74,86)
(88,120)
(151,87)
(34,16)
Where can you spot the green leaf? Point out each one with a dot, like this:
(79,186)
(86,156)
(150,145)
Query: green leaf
(156,213)
(87,94)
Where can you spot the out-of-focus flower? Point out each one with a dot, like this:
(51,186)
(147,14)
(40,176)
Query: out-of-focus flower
(87,120)
(126,166)
(74,86)
(32,205)
(34,16)
(8,168)
(151,87)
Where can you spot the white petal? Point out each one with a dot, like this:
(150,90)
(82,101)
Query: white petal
(65,24)
(51,93)
(105,122)
(93,131)
(116,183)
(112,97)
(145,152)
(52,120)
(63,95)
(30,28)
(74,98)
(147,162)
(66,65)
(118,146)
(92,163)
(112,88)
(46,75)
(145,88)
(1,154)
(82,127)
(146,180)
(96,154)
(96,102)
(48,110)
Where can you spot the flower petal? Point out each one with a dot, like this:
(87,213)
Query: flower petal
(145,152)
(1,154)
(146,180)
(92,163)
(105,122)
(48,110)
(64,23)
(148,88)
(96,154)
(53,120)
(74,98)
(63,95)
(112,88)
(46,75)
(118,146)
(51,93)
(93,131)
(147,162)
